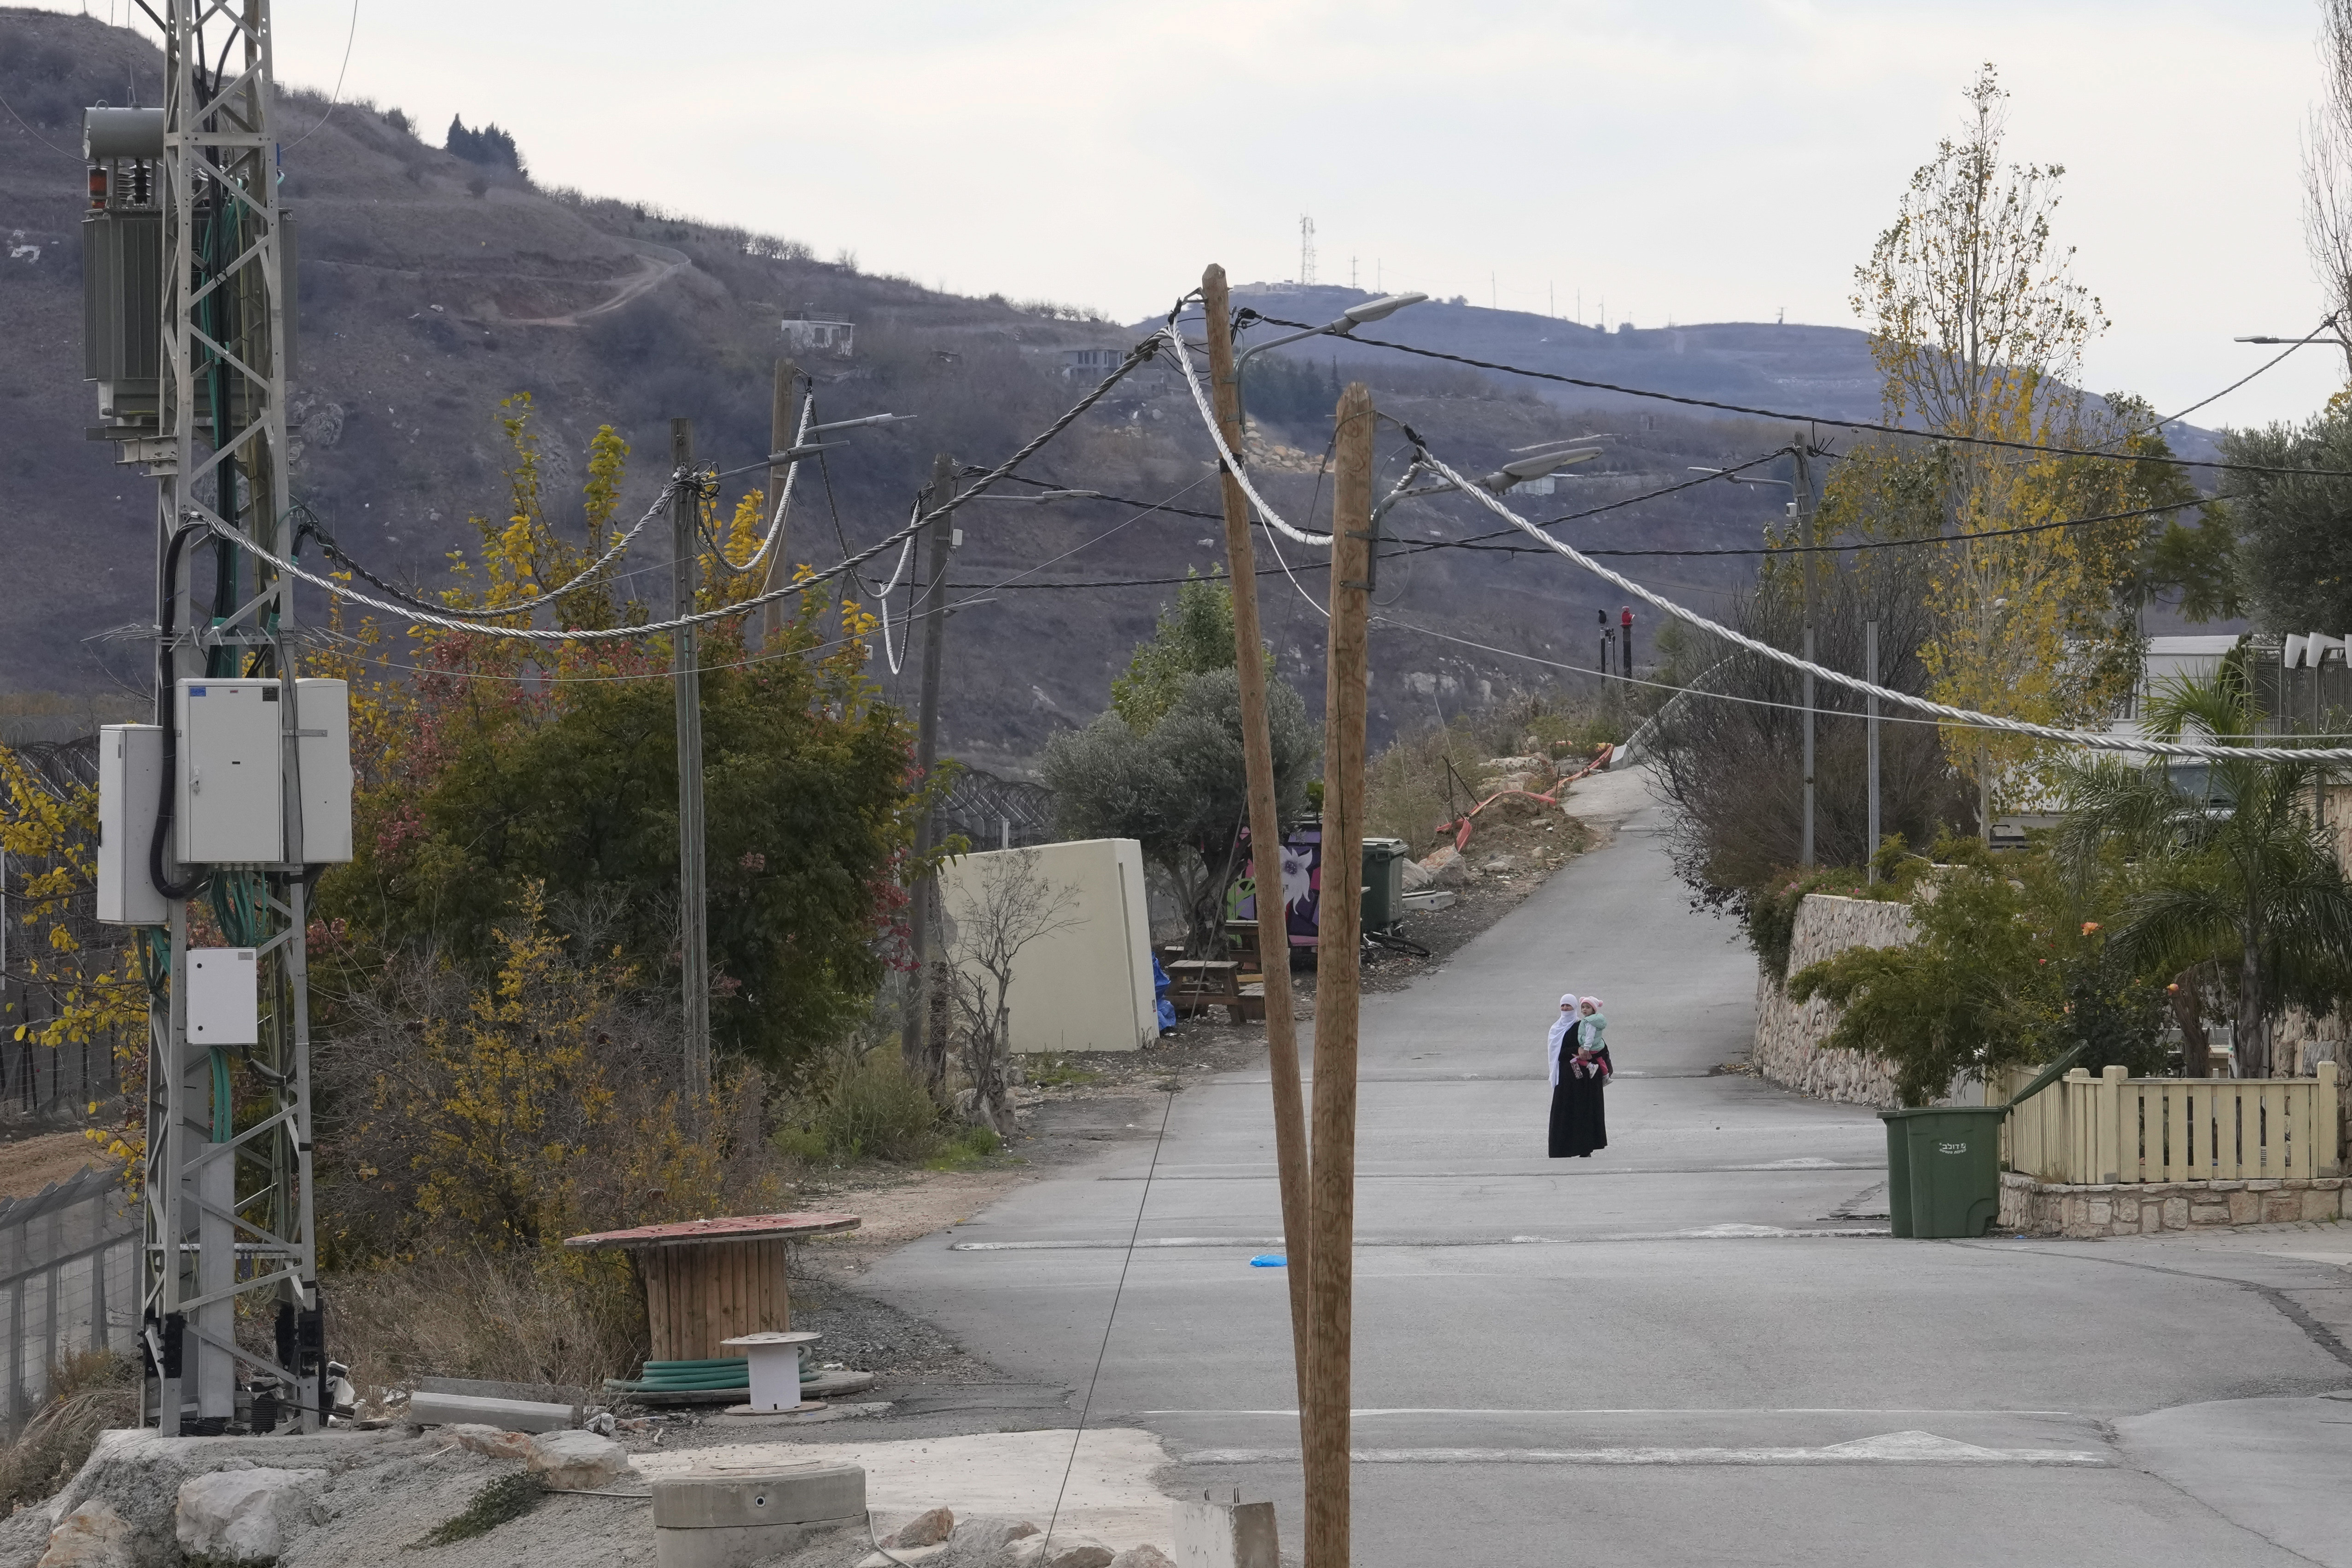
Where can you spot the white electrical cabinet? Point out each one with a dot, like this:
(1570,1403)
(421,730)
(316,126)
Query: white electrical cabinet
(224,996)
(323,711)
(231,797)
(130,792)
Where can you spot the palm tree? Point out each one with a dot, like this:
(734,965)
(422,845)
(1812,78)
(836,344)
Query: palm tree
(2232,868)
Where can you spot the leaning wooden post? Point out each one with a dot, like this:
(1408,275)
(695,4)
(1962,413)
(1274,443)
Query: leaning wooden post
(1340,919)
(783,431)
(1265,845)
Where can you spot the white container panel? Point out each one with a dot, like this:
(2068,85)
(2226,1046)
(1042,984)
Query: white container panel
(224,996)
(129,786)
(323,711)
(230,791)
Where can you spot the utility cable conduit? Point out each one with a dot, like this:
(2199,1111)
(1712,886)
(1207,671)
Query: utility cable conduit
(335,552)
(455,621)
(783,505)
(2186,751)
(1233,464)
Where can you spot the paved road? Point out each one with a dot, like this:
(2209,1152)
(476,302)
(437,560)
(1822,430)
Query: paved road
(1687,1349)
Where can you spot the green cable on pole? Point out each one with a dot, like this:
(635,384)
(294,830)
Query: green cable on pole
(224,1110)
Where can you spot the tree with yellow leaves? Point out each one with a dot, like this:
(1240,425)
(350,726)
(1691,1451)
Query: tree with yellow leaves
(1979,327)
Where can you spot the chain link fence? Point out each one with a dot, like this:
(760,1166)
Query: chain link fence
(68,1282)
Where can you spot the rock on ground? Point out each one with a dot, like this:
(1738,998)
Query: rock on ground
(490,1440)
(1142,1557)
(138,1474)
(244,1516)
(91,1536)
(577,1461)
(929,1528)
(982,1543)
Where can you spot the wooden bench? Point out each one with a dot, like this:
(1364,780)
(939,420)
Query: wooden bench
(1197,984)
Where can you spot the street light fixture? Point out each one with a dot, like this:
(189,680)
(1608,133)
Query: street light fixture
(1535,468)
(1351,318)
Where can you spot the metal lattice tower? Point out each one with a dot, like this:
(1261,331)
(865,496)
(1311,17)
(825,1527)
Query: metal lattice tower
(227,1188)
(1306,249)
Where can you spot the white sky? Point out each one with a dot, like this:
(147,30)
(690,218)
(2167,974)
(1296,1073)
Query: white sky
(1707,159)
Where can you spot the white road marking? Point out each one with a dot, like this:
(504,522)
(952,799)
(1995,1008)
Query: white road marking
(1673,1410)
(1705,1233)
(1911,1447)
(1521,1173)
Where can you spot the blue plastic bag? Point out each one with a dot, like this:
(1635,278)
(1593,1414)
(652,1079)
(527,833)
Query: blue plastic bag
(1167,1009)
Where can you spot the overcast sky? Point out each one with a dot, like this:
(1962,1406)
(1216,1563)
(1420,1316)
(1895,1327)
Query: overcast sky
(1703,160)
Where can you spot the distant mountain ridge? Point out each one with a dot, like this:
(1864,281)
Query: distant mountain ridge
(1804,370)
(433,289)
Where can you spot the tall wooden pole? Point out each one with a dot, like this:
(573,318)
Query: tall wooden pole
(1265,845)
(1340,916)
(1804,504)
(922,1045)
(686,678)
(782,430)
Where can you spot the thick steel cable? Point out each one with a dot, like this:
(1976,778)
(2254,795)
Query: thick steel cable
(783,502)
(619,547)
(1968,716)
(451,621)
(1225,454)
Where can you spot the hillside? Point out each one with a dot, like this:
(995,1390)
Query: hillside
(432,288)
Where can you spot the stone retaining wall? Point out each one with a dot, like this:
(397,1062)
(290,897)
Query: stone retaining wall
(1788,1049)
(2144,1209)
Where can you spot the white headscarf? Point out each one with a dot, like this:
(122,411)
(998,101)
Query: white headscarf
(1562,1023)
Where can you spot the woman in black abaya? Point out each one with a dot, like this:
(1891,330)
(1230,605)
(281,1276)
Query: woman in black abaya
(1580,1069)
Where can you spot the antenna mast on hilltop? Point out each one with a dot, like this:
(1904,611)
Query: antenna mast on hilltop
(239,792)
(1306,249)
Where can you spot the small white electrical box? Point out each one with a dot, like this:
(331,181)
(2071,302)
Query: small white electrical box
(229,779)
(323,711)
(224,996)
(129,790)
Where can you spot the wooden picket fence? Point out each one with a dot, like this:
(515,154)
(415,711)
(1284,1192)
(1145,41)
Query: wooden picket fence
(2112,1129)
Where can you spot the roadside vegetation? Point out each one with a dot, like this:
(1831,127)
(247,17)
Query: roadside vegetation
(2168,895)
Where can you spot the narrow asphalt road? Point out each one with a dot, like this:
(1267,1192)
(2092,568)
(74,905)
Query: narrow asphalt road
(1687,1349)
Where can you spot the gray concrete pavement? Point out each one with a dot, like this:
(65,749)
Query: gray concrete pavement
(1684,1349)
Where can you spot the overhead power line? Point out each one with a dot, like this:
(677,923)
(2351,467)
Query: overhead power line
(1876,427)
(1136,356)
(1970,717)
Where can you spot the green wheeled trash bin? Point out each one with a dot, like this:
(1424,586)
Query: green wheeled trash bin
(1898,1172)
(1943,1169)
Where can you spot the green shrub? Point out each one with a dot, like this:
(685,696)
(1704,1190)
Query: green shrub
(866,1107)
(965,1150)
(510,1496)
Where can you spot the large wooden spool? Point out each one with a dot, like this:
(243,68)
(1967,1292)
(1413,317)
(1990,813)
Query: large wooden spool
(708,1280)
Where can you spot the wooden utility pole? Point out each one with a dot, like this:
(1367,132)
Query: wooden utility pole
(1340,917)
(1804,508)
(783,431)
(685,681)
(1266,844)
(923,1049)
(1870,706)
